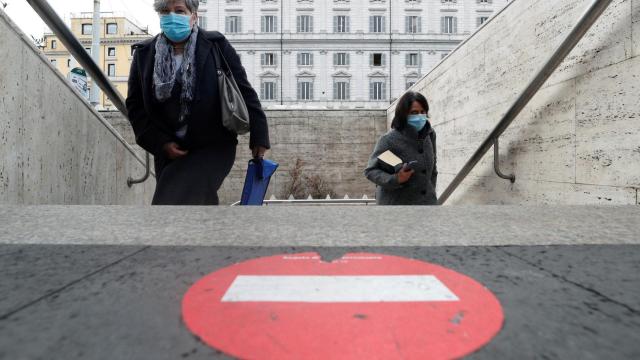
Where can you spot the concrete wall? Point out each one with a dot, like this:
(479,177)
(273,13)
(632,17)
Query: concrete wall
(54,148)
(333,144)
(578,140)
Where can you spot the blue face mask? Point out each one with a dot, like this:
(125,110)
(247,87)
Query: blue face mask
(417,121)
(176,28)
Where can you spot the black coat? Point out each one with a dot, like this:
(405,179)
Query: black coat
(205,121)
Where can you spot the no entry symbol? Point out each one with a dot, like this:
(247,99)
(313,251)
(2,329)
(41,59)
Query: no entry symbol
(362,306)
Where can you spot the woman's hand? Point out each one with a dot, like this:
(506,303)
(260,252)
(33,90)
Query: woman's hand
(404,175)
(173,151)
(258,152)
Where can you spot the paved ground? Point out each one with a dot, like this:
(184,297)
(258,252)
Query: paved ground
(123,302)
(70,301)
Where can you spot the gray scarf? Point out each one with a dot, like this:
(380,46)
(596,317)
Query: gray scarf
(164,72)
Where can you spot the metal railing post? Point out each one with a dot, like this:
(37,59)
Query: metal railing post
(496,163)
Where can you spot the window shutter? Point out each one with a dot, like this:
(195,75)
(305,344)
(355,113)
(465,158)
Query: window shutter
(347,60)
(335,24)
(442,25)
(383,59)
(372,25)
(310,59)
(455,25)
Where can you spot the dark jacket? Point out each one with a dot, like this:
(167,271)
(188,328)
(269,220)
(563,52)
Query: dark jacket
(205,121)
(406,144)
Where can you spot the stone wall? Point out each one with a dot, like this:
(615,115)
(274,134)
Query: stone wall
(54,148)
(578,141)
(332,144)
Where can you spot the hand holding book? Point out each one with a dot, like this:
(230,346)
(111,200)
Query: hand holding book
(392,164)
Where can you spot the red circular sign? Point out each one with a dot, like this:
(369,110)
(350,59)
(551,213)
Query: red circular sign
(362,306)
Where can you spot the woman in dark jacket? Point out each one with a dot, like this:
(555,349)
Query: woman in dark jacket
(413,140)
(174,107)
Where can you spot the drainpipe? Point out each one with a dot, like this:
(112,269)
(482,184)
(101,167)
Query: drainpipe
(282,52)
(95,51)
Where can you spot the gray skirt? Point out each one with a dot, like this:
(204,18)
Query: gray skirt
(194,179)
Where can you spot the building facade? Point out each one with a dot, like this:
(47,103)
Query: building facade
(343,53)
(117,35)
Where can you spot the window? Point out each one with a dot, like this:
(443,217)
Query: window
(54,62)
(482,20)
(54,44)
(413,59)
(341,89)
(87,29)
(305,89)
(305,23)
(233,24)
(377,24)
(202,22)
(68,63)
(413,24)
(305,59)
(341,59)
(449,25)
(112,29)
(341,24)
(111,70)
(111,52)
(269,24)
(410,83)
(133,50)
(377,59)
(377,90)
(268,90)
(268,59)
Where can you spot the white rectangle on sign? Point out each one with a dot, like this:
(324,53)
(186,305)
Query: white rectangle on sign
(330,289)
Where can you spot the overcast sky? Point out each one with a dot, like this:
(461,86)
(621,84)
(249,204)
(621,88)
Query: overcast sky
(140,11)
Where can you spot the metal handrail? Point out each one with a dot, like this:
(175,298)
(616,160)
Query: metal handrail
(55,23)
(587,20)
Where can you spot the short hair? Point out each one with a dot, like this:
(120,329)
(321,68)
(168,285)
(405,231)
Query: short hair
(160,5)
(404,107)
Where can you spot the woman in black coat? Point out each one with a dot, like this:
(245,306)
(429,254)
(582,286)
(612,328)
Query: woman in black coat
(413,140)
(174,107)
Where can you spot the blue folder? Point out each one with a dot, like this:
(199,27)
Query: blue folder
(256,183)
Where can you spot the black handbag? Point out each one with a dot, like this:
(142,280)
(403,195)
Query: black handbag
(235,116)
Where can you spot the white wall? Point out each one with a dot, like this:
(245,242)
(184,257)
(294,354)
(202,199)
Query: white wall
(359,43)
(578,141)
(54,148)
